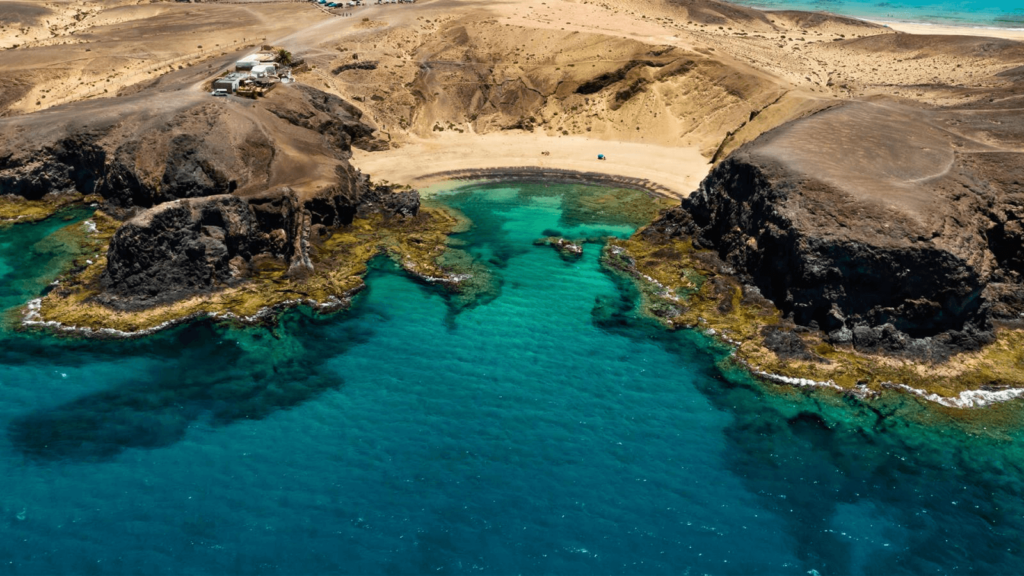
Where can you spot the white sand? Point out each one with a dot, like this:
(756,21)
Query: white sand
(678,169)
(918,28)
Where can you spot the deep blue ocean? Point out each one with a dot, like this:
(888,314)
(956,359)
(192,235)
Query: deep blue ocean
(984,13)
(541,427)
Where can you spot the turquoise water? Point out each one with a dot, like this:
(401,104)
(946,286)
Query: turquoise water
(546,430)
(986,13)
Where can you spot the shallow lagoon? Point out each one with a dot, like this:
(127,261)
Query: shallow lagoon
(541,427)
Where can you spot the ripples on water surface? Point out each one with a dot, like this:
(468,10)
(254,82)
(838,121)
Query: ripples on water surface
(546,429)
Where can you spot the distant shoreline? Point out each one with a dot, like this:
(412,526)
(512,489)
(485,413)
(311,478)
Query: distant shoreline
(950,30)
(1012,31)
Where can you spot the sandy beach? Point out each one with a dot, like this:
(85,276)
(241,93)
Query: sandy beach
(924,28)
(679,169)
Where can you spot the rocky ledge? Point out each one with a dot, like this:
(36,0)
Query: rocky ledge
(865,244)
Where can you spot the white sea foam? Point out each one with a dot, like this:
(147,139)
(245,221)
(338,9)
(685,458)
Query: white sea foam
(32,317)
(967,398)
(802,382)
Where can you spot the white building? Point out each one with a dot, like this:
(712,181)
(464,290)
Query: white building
(264,70)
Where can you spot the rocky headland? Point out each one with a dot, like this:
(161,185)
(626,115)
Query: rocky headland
(213,207)
(872,243)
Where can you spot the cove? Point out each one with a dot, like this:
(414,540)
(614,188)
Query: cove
(538,424)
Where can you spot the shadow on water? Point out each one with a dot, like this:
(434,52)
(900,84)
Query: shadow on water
(205,371)
(942,496)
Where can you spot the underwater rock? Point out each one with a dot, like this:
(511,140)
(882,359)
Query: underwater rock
(567,249)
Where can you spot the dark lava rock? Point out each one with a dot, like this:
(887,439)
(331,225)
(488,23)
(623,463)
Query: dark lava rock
(567,249)
(786,344)
(337,120)
(365,65)
(186,247)
(71,164)
(879,224)
(196,245)
(385,200)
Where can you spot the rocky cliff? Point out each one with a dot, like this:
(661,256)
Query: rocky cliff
(889,228)
(197,245)
(207,187)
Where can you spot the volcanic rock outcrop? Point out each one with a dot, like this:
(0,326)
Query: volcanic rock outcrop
(208,186)
(890,228)
(195,245)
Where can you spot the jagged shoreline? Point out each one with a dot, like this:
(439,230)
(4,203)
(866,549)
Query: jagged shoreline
(338,265)
(33,317)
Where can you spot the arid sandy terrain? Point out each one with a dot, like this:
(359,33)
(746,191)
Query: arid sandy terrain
(699,77)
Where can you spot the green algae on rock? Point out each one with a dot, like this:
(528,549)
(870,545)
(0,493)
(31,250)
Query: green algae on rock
(339,264)
(683,286)
(17,209)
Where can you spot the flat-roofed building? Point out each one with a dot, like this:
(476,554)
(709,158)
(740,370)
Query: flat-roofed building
(230,82)
(263,70)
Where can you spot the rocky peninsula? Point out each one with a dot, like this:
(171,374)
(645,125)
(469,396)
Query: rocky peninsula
(864,246)
(214,208)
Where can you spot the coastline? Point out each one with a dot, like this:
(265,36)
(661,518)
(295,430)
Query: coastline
(32,318)
(926,28)
(909,26)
